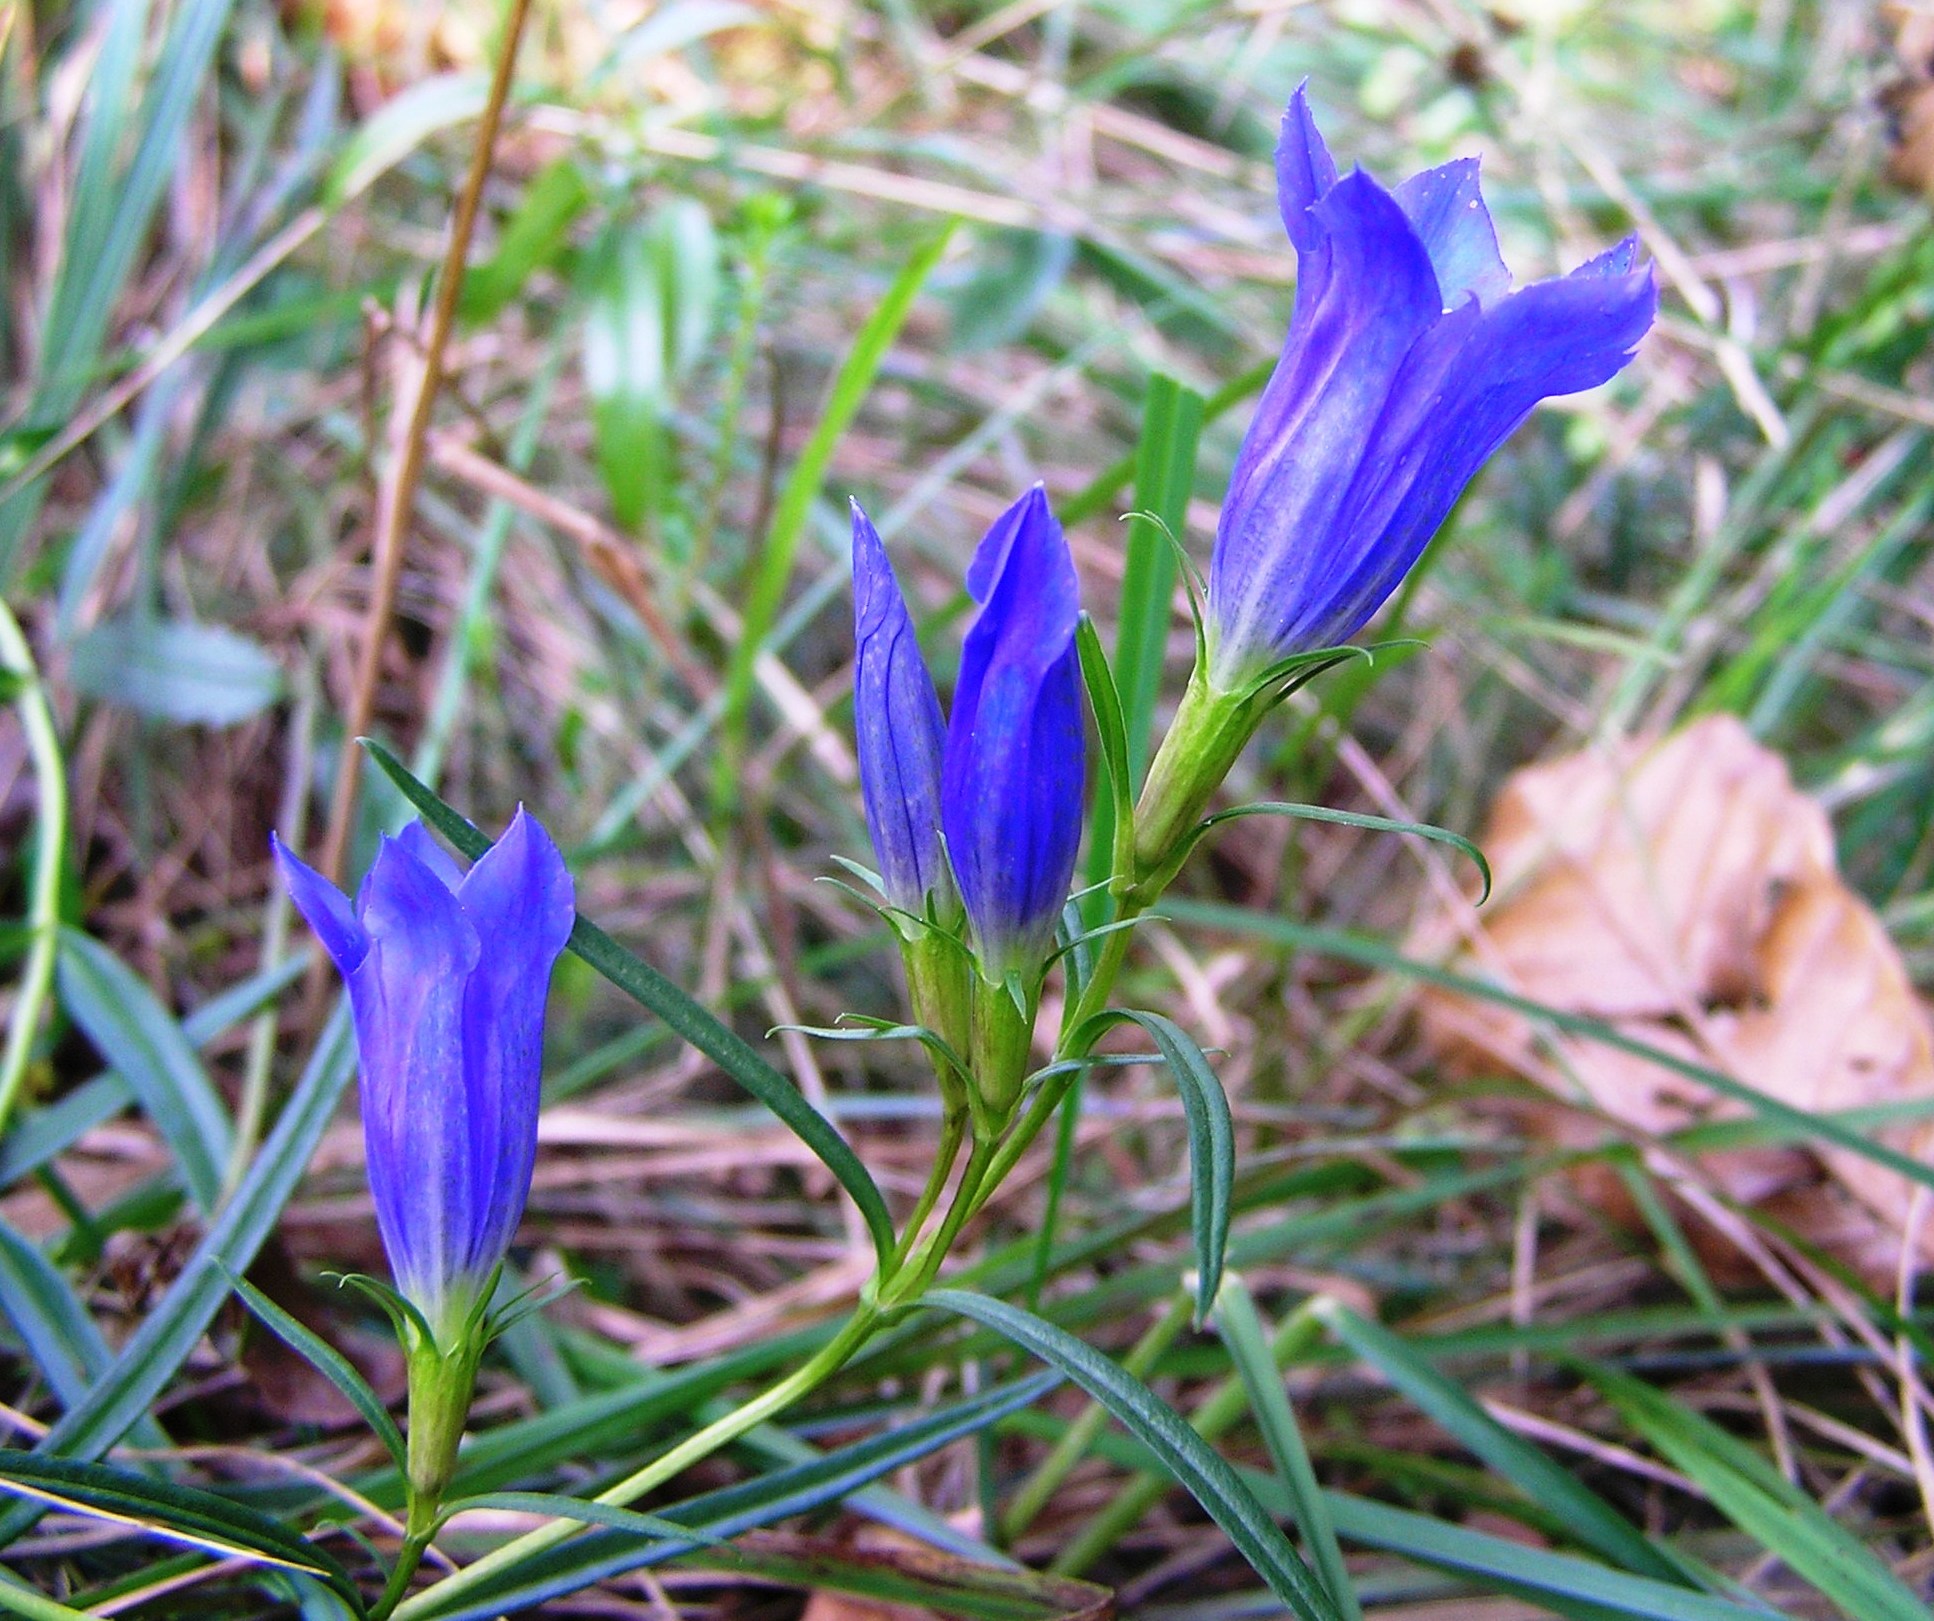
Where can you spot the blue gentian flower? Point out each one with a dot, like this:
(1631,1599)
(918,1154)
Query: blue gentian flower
(447,975)
(1409,361)
(1003,786)
(899,731)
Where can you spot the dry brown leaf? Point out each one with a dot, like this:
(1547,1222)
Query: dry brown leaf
(1908,100)
(1688,895)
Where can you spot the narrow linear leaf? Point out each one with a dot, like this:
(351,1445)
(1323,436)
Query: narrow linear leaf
(326,1360)
(151,1355)
(17,1598)
(1341,818)
(850,387)
(694,1024)
(141,1039)
(1595,1523)
(1115,843)
(175,670)
(163,1508)
(1802,1124)
(403,124)
(1247,1340)
(552,1506)
(602,1554)
(1206,1476)
(1751,1493)
(1212,1139)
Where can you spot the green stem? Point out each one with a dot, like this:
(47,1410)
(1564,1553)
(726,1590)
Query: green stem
(43,901)
(925,1261)
(953,1129)
(408,1557)
(827,1361)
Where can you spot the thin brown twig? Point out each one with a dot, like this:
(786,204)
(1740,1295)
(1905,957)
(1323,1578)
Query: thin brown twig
(398,496)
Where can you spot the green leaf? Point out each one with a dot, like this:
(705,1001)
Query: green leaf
(137,1035)
(532,237)
(17,1598)
(1322,813)
(1184,1454)
(1114,847)
(654,298)
(176,670)
(151,1355)
(326,1360)
(551,1505)
(1212,1138)
(1592,1520)
(1762,1502)
(179,1513)
(403,124)
(1014,274)
(763,1500)
(1247,1340)
(692,1023)
(850,386)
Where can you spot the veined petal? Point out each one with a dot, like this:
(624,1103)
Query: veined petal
(1314,426)
(415,838)
(408,998)
(520,900)
(898,731)
(325,906)
(1447,209)
(1016,754)
(1465,392)
(1304,168)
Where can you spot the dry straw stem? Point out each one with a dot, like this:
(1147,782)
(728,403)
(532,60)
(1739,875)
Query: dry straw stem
(397,496)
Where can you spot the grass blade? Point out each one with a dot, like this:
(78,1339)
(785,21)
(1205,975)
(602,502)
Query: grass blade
(1247,1342)
(694,1024)
(1206,1476)
(849,389)
(140,1039)
(1593,1521)
(150,1356)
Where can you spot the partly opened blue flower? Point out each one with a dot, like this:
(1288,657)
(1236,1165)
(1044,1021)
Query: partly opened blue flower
(898,728)
(1004,783)
(447,977)
(1016,754)
(1409,361)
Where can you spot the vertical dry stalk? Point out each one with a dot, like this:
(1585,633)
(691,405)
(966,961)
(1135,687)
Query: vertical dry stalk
(396,497)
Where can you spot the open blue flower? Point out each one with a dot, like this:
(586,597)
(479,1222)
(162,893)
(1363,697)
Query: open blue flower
(447,975)
(1004,786)
(1409,361)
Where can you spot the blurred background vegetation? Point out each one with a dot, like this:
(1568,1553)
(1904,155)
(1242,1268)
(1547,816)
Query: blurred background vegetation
(622,601)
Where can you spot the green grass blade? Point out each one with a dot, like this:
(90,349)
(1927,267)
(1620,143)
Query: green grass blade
(1751,1493)
(183,1514)
(850,387)
(1247,1341)
(141,1040)
(152,1354)
(693,1023)
(1206,1476)
(799,1489)
(1593,1521)
(1343,818)
(326,1360)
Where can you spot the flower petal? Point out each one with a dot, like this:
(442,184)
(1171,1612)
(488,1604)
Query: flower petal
(898,730)
(520,900)
(325,906)
(415,838)
(1348,343)
(1016,755)
(408,998)
(1447,209)
(1304,168)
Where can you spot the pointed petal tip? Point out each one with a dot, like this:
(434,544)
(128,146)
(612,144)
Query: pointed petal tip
(324,906)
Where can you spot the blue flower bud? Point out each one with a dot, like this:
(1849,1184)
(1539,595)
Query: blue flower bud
(899,732)
(1409,361)
(447,976)
(1011,783)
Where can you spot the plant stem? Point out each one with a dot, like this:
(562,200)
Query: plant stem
(43,902)
(827,1361)
(952,1130)
(912,1280)
(408,1557)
